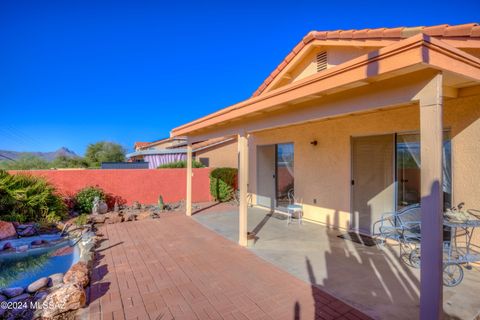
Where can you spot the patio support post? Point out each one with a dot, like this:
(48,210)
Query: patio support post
(431,152)
(242,185)
(188,204)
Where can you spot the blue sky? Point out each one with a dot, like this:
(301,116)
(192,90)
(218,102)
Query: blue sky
(76,72)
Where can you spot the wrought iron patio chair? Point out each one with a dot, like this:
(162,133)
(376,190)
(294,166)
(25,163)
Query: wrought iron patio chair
(403,226)
(294,208)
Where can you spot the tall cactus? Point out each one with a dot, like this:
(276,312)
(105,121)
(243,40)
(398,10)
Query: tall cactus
(161,204)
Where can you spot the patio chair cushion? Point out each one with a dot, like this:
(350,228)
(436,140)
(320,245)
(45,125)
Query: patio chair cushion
(294,207)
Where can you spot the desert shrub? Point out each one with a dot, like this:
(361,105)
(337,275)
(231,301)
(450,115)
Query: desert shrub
(27,198)
(223,183)
(111,199)
(84,198)
(81,219)
(181,164)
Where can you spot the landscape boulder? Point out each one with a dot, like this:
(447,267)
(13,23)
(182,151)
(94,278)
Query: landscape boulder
(78,273)
(27,230)
(37,285)
(7,230)
(70,296)
(55,279)
(7,246)
(113,217)
(12,292)
(21,297)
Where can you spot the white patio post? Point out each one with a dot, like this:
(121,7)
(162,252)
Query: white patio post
(188,204)
(242,185)
(431,132)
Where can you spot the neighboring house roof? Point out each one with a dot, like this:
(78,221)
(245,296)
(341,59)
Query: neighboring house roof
(204,144)
(140,144)
(146,145)
(469,30)
(181,148)
(155,151)
(415,53)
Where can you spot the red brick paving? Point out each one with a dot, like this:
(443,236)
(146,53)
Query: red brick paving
(174,268)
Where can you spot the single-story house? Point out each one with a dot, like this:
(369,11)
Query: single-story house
(218,152)
(362,122)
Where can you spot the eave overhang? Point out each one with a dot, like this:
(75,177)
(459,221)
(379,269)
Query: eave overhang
(406,56)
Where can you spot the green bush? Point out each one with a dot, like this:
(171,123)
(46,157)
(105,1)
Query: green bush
(27,198)
(84,198)
(181,164)
(81,219)
(223,183)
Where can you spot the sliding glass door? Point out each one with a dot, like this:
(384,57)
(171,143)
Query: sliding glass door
(408,170)
(284,173)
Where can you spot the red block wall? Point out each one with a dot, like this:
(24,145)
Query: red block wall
(142,185)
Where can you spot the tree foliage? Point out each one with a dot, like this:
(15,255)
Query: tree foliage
(104,151)
(26,162)
(69,162)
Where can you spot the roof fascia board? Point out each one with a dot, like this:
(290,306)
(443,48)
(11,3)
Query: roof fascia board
(400,55)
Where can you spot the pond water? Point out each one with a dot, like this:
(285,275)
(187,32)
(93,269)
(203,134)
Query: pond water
(19,269)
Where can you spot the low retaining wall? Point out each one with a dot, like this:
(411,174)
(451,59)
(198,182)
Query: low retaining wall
(142,185)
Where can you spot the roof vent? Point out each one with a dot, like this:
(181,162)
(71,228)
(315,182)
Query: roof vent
(321,61)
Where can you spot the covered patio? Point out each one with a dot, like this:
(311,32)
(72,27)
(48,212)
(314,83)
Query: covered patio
(372,279)
(419,85)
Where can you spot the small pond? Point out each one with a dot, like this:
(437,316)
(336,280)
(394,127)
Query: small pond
(21,266)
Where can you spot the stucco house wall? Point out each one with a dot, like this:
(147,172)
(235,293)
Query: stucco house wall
(323,172)
(223,155)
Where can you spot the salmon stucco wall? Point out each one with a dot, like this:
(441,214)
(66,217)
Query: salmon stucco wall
(223,155)
(140,185)
(323,172)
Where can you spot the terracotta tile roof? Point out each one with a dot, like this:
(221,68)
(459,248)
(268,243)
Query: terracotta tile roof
(471,30)
(140,144)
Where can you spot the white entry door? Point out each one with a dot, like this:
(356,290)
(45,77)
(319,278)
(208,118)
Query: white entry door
(373,188)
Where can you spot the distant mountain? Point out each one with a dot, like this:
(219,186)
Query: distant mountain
(49,156)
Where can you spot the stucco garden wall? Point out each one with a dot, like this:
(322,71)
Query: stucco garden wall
(323,172)
(142,185)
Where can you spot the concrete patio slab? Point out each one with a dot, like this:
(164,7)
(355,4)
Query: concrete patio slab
(174,268)
(371,279)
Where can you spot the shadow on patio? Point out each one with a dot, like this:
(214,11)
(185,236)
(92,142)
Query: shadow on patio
(370,279)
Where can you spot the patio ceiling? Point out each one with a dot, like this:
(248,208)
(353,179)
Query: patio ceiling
(407,65)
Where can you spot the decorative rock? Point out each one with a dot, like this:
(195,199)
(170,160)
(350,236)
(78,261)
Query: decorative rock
(27,230)
(7,230)
(143,215)
(130,216)
(12,292)
(37,285)
(36,242)
(78,273)
(54,279)
(7,246)
(99,206)
(19,298)
(97,218)
(136,205)
(39,295)
(113,217)
(71,296)
(22,248)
